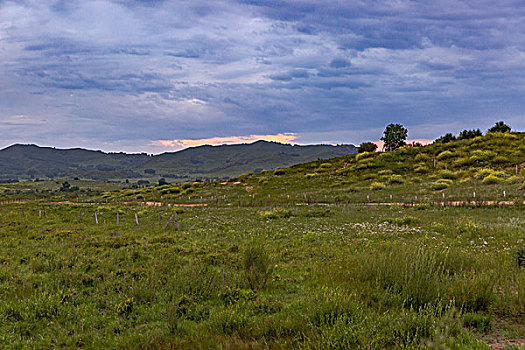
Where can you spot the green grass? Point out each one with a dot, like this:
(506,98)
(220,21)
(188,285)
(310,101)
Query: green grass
(282,259)
(338,277)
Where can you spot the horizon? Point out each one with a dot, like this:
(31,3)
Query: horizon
(160,76)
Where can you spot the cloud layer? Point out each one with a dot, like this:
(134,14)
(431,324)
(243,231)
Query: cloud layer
(117,75)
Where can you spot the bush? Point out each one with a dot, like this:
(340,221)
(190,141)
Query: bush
(363,155)
(447,174)
(422,157)
(440,184)
(257,266)
(367,147)
(445,155)
(396,179)
(460,162)
(421,169)
(491,180)
(375,186)
(277,214)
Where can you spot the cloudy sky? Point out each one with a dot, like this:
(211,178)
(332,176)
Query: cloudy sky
(151,76)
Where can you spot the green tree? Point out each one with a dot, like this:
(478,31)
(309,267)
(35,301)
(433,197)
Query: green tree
(448,137)
(469,134)
(394,137)
(367,147)
(500,127)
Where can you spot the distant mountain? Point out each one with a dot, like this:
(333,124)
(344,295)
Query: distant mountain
(203,162)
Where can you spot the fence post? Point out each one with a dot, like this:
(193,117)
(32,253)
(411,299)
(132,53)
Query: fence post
(173,216)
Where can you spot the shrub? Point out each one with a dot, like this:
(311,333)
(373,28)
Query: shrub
(363,155)
(325,166)
(396,179)
(384,172)
(440,184)
(445,155)
(422,157)
(491,180)
(279,171)
(352,189)
(513,179)
(375,186)
(464,161)
(367,147)
(421,169)
(277,214)
(500,160)
(257,266)
(447,174)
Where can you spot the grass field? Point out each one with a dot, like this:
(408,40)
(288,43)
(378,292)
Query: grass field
(293,258)
(307,277)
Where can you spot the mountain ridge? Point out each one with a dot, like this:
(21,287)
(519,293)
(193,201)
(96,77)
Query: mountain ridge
(23,161)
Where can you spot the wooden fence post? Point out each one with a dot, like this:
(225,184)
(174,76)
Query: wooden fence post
(173,216)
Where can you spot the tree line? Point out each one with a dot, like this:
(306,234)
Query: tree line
(395,136)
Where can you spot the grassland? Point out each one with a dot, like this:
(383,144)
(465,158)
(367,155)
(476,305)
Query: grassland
(286,277)
(255,270)
(488,168)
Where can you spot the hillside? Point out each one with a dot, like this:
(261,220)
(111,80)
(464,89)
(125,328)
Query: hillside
(30,161)
(234,160)
(484,168)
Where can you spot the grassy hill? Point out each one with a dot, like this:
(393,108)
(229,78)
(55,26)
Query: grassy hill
(456,171)
(30,161)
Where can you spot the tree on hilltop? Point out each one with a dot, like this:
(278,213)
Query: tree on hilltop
(367,147)
(394,137)
(469,134)
(500,127)
(448,137)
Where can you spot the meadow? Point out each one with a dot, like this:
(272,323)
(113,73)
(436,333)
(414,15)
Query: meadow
(307,257)
(311,277)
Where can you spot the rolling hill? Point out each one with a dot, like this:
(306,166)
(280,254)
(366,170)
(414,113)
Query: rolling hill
(30,161)
(485,168)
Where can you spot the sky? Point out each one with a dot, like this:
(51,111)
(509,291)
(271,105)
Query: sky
(155,76)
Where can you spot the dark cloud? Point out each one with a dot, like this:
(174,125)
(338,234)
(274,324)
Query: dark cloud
(125,72)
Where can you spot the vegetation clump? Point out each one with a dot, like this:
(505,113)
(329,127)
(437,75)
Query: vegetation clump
(257,266)
(375,186)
